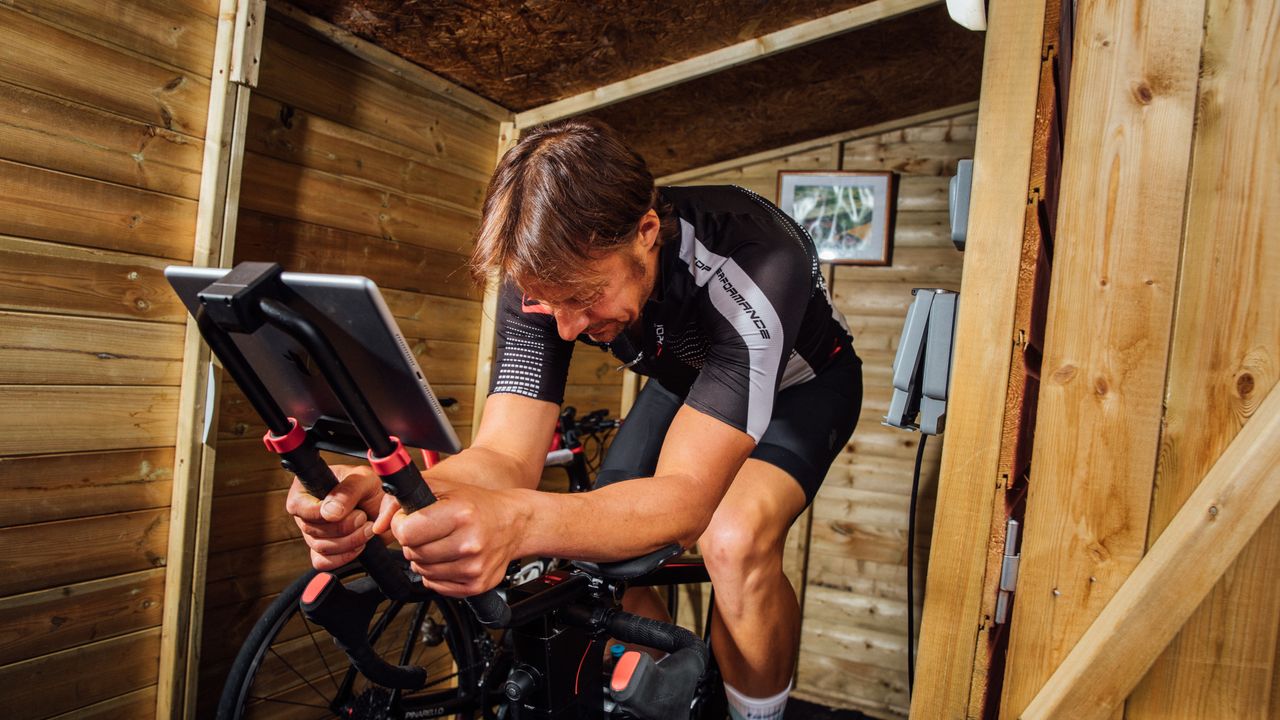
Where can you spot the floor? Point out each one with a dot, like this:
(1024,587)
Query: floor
(801,710)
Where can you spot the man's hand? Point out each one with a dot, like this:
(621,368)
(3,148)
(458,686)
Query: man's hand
(337,527)
(460,545)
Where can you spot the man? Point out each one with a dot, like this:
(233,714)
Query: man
(712,292)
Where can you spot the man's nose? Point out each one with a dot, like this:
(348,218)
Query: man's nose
(570,323)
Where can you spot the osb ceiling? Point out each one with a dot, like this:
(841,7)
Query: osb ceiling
(529,53)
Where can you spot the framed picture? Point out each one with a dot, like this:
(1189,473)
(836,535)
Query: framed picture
(848,214)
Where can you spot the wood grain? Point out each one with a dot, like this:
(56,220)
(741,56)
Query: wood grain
(42,488)
(56,683)
(47,621)
(71,418)
(58,62)
(1205,536)
(1108,326)
(304,71)
(122,543)
(176,34)
(1225,359)
(89,282)
(137,704)
(297,136)
(47,205)
(984,330)
(59,350)
(58,134)
(307,247)
(286,190)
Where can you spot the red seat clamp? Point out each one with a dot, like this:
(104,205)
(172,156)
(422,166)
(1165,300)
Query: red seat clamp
(393,463)
(290,441)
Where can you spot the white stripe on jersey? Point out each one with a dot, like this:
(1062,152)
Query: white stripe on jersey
(750,313)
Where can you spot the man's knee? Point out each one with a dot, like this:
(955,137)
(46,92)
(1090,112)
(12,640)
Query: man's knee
(739,550)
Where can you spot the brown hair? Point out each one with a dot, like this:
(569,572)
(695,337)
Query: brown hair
(567,192)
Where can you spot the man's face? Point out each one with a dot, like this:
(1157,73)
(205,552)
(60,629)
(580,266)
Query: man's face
(617,287)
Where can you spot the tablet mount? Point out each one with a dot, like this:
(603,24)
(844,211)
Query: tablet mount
(252,295)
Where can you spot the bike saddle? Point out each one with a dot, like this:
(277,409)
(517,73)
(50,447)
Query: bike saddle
(633,568)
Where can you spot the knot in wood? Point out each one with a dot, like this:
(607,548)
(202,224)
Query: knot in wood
(1142,93)
(1244,385)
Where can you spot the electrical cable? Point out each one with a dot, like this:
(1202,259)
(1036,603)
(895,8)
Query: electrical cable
(911,564)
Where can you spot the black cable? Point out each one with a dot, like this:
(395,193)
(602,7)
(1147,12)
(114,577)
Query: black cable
(911,564)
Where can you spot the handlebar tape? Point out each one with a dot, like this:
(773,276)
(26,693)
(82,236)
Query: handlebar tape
(656,634)
(406,484)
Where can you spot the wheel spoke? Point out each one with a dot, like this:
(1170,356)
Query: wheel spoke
(301,677)
(314,643)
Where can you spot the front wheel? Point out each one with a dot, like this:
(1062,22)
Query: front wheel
(289,667)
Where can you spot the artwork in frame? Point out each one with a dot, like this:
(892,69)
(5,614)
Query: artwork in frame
(848,214)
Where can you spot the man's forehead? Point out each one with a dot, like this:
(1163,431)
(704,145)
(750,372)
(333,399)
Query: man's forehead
(562,292)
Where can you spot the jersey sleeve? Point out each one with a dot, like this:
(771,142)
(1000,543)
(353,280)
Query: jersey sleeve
(531,359)
(753,308)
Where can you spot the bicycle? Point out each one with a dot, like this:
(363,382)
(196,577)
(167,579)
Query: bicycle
(549,660)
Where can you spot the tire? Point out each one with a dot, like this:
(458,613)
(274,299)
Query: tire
(289,667)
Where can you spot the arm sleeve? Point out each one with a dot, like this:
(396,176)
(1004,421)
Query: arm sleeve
(530,358)
(754,305)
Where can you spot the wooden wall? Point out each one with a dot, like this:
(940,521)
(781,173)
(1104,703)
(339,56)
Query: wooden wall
(851,566)
(1162,342)
(348,169)
(102,120)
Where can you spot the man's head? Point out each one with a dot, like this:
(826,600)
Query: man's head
(570,219)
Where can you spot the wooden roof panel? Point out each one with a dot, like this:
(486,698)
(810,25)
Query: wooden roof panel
(901,67)
(529,53)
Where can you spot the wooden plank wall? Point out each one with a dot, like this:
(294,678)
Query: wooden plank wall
(348,169)
(102,120)
(1224,361)
(851,567)
(1110,315)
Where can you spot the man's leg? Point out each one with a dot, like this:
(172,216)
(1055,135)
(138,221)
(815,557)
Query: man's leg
(755,629)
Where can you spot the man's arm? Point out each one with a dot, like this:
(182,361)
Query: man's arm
(462,544)
(509,449)
(699,460)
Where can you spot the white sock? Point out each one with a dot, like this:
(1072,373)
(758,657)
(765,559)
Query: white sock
(742,707)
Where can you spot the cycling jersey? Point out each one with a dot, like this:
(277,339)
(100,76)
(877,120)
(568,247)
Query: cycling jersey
(739,311)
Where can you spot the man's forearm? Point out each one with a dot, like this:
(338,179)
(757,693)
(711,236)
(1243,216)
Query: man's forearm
(616,522)
(485,468)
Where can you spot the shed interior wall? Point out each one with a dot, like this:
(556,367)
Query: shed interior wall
(102,122)
(347,169)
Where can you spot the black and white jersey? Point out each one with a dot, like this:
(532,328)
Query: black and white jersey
(739,311)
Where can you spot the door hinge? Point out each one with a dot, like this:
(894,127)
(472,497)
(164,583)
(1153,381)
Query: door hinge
(1008,572)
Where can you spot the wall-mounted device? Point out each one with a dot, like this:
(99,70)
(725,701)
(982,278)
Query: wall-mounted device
(922,366)
(958,201)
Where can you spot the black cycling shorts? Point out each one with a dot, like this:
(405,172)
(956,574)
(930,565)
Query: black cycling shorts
(809,426)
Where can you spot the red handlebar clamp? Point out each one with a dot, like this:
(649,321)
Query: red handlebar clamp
(393,463)
(290,441)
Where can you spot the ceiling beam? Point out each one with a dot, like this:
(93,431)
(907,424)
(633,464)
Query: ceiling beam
(722,59)
(838,138)
(389,61)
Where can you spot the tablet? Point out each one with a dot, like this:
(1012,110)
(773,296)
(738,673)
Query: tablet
(350,311)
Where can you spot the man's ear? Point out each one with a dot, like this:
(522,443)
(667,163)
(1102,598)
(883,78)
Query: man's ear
(650,229)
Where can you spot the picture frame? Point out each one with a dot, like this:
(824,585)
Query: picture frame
(849,215)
